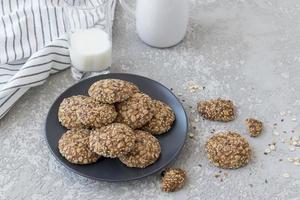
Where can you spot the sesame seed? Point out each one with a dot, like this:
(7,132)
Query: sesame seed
(290,159)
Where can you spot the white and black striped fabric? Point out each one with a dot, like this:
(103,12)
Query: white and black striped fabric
(33,42)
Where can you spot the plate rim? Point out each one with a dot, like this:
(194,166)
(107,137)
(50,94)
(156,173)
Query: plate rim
(127,179)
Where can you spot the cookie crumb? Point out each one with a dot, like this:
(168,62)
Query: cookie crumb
(173,179)
(217,109)
(254,127)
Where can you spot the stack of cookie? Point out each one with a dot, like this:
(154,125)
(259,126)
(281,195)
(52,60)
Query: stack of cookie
(116,120)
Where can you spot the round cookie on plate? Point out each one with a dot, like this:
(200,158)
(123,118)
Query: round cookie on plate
(112,140)
(95,115)
(74,146)
(162,120)
(67,111)
(136,111)
(145,152)
(228,150)
(112,90)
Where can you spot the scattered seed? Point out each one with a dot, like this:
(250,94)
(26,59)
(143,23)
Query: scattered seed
(291,148)
(272,147)
(290,159)
(275,133)
(266,181)
(251,185)
(282,120)
(267,150)
(286,175)
(297,163)
(294,119)
(191,135)
(217,175)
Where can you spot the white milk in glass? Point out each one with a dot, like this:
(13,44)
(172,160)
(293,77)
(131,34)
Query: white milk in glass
(90,50)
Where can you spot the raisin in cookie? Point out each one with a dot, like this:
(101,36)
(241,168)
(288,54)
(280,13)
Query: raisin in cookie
(67,111)
(95,115)
(145,152)
(112,90)
(112,140)
(162,120)
(74,146)
(228,150)
(136,111)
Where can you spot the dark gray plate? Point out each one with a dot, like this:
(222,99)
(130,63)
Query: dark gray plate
(112,169)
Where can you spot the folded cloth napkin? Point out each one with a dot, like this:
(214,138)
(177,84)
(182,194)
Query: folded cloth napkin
(34,45)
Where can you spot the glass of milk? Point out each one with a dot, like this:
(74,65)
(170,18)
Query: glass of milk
(88,25)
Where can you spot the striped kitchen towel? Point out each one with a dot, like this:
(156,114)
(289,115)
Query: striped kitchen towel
(33,41)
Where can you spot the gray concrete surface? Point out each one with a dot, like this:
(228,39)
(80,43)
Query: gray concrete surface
(245,50)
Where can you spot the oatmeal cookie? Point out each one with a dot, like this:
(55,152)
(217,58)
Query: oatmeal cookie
(112,90)
(217,109)
(173,179)
(162,120)
(67,111)
(136,111)
(145,152)
(228,150)
(74,146)
(254,127)
(95,115)
(112,140)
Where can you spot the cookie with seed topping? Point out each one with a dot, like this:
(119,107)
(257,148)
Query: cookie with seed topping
(228,150)
(173,179)
(217,109)
(112,140)
(93,114)
(112,90)
(145,152)
(254,127)
(67,111)
(136,111)
(162,120)
(74,146)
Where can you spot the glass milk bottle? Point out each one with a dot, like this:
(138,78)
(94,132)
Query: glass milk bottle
(160,23)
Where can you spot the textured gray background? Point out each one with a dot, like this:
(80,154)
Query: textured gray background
(245,50)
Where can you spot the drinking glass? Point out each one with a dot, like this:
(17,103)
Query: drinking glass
(86,21)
